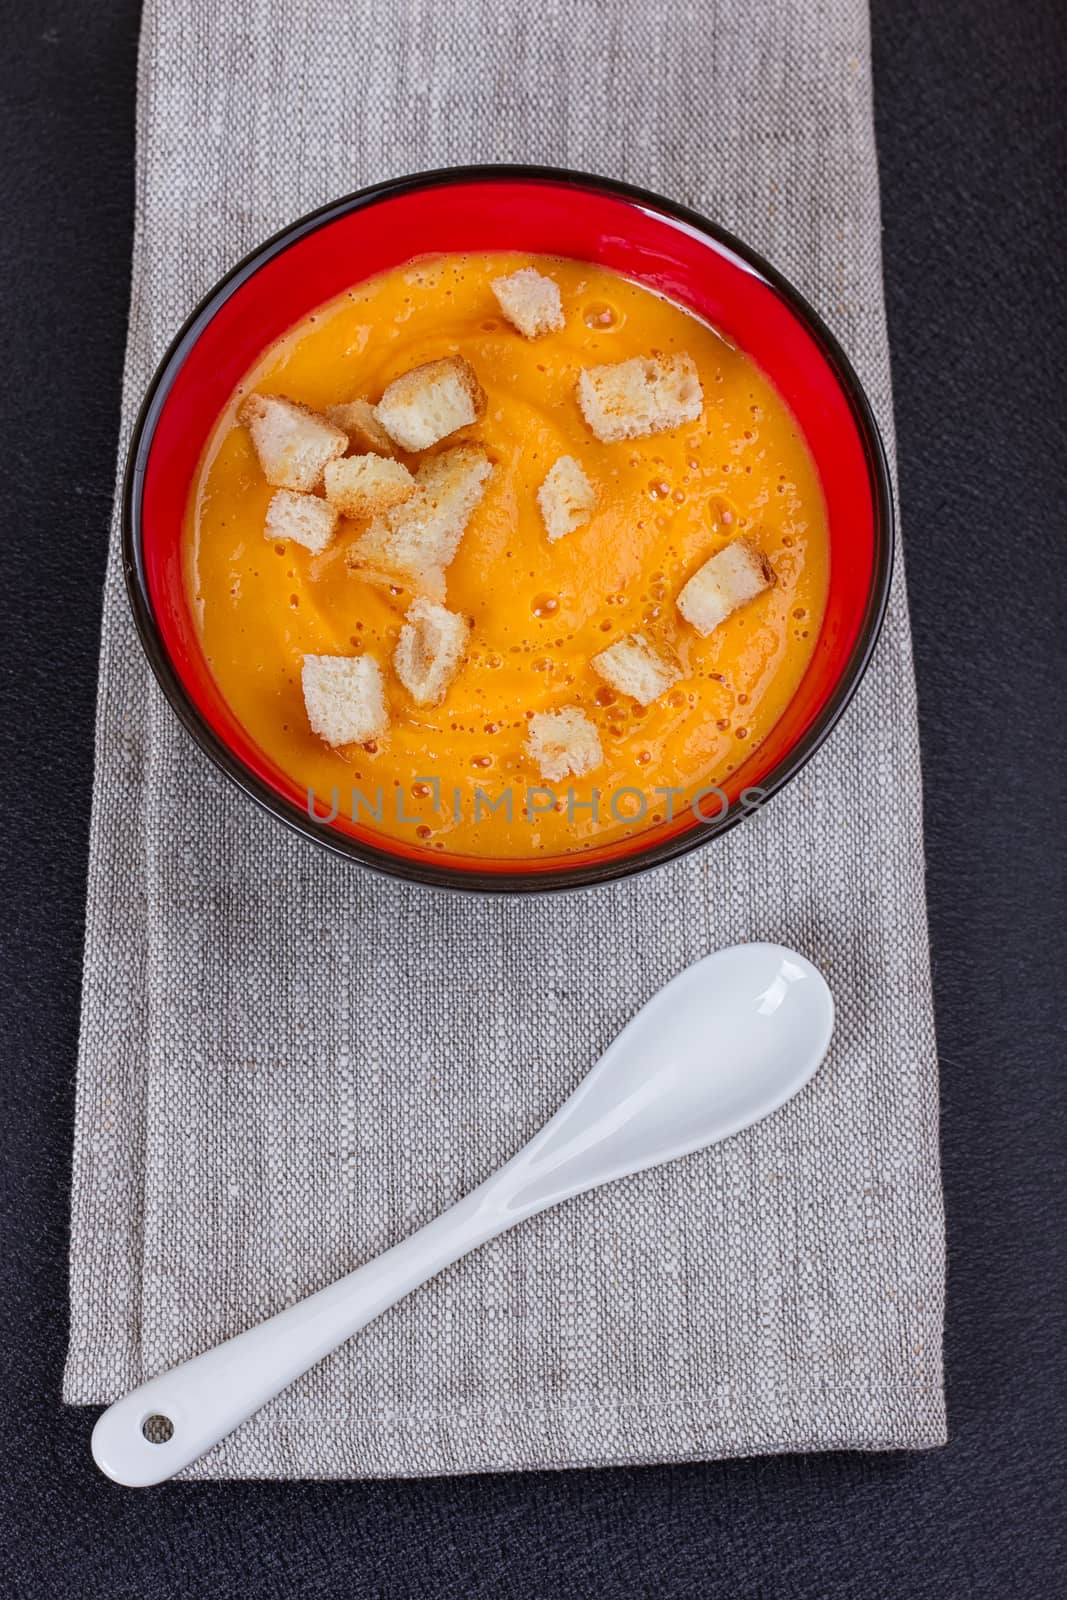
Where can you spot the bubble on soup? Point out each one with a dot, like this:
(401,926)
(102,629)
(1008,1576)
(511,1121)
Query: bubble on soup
(721,514)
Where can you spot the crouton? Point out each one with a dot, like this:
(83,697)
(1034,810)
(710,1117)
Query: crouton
(563,744)
(365,432)
(292,442)
(429,651)
(416,541)
(633,667)
(345,698)
(726,581)
(643,395)
(530,301)
(430,402)
(567,498)
(363,486)
(303,518)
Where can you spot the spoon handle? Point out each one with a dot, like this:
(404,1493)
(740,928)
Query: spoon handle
(191,1407)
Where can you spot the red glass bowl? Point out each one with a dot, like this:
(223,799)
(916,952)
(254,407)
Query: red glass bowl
(549,212)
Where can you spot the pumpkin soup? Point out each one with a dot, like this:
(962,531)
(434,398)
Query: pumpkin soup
(505,556)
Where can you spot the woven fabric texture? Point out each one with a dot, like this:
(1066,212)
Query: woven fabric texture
(287,1064)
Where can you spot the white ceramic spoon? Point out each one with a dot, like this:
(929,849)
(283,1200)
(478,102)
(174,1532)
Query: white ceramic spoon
(725,1043)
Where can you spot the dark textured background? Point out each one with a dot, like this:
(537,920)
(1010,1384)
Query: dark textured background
(972,151)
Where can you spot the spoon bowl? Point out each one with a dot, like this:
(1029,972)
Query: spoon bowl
(721,1046)
(724,1044)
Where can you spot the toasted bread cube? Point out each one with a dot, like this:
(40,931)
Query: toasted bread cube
(303,518)
(530,301)
(417,541)
(633,667)
(429,651)
(430,402)
(345,698)
(363,486)
(428,582)
(647,394)
(726,581)
(365,432)
(567,498)
(292,442)
(564,744)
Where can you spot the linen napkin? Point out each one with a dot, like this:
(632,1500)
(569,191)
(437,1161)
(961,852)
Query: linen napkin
(287,1064)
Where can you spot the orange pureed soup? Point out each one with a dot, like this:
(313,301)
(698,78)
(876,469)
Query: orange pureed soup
(457,777)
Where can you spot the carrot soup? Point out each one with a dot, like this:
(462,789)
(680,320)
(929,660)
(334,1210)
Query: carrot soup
(575,661)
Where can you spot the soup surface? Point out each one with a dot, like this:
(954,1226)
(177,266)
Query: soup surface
(456,777)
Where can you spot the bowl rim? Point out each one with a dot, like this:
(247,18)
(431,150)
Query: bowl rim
(437,873)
